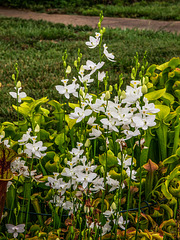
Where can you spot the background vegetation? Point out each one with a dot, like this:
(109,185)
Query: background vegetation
(150,9)
(38,46)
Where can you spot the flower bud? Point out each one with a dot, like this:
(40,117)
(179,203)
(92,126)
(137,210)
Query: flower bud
(102,169)
(75,63)
(87,143)
(65,160)
(115,87)
(0,84)
(37,128)
(110,88)
(123,95)
(113,206)
(107,96)
(68,70)
(144,89)
(64,64)
(18,85)
(81,92)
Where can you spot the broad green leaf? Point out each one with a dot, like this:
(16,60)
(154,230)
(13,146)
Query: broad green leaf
(37,103)
(165,191)
(51,167)
(177,93)
(174,62)
(170,222)
(60,140)
(162,66)
(169,97)
(110,158)
(171,159)
(70,122)
(167,209)
(56,104)
(44,134)
(151,69)
(23,109)
(73,105)
(178,152)
(163,113)
(155,94)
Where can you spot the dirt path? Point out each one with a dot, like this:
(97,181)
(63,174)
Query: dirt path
(123,23)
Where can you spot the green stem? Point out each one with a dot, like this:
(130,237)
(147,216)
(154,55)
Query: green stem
(139,205)
(129,190)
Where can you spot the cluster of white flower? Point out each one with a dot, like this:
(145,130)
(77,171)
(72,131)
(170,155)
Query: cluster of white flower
(81,175)
(33,149)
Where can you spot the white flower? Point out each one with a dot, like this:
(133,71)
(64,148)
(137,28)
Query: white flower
(58,201)
(144,121)
(121,222)
(85,178)
(34,149)
(128,171)
(109,56)
(129,134)
(93,42)
(19,166)
(91,121)
(66,90)
(101,76)
(92,66)
(26,137)
(126,163)
(15,229)
(18,94)
(95,133)
(106,228)
(80,114)
(132,94)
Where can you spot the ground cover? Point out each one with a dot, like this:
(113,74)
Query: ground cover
(37,47)
(160,10)
(100,162)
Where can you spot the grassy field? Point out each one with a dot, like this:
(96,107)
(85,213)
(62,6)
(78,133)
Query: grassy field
(38,47)
(153,10)
(161,10)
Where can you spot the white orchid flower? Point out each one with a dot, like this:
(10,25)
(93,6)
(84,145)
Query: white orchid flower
(93,42)
(92,66)
(101,76)
(18,95)
(95,133)
(80,114)
(34,149)
(15,229)
(109,56)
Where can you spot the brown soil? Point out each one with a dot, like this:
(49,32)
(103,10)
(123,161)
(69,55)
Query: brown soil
(123,23)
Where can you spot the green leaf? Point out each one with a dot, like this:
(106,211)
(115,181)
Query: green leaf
(151,69)
(73,105)
(111,159)
(44,134)
(155,94)
(163,113)
(168,97)
(60,140)
(51,167)
(178,152)
(167,209)
(174,62)
(23,109)
(171,159)
(163,66)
